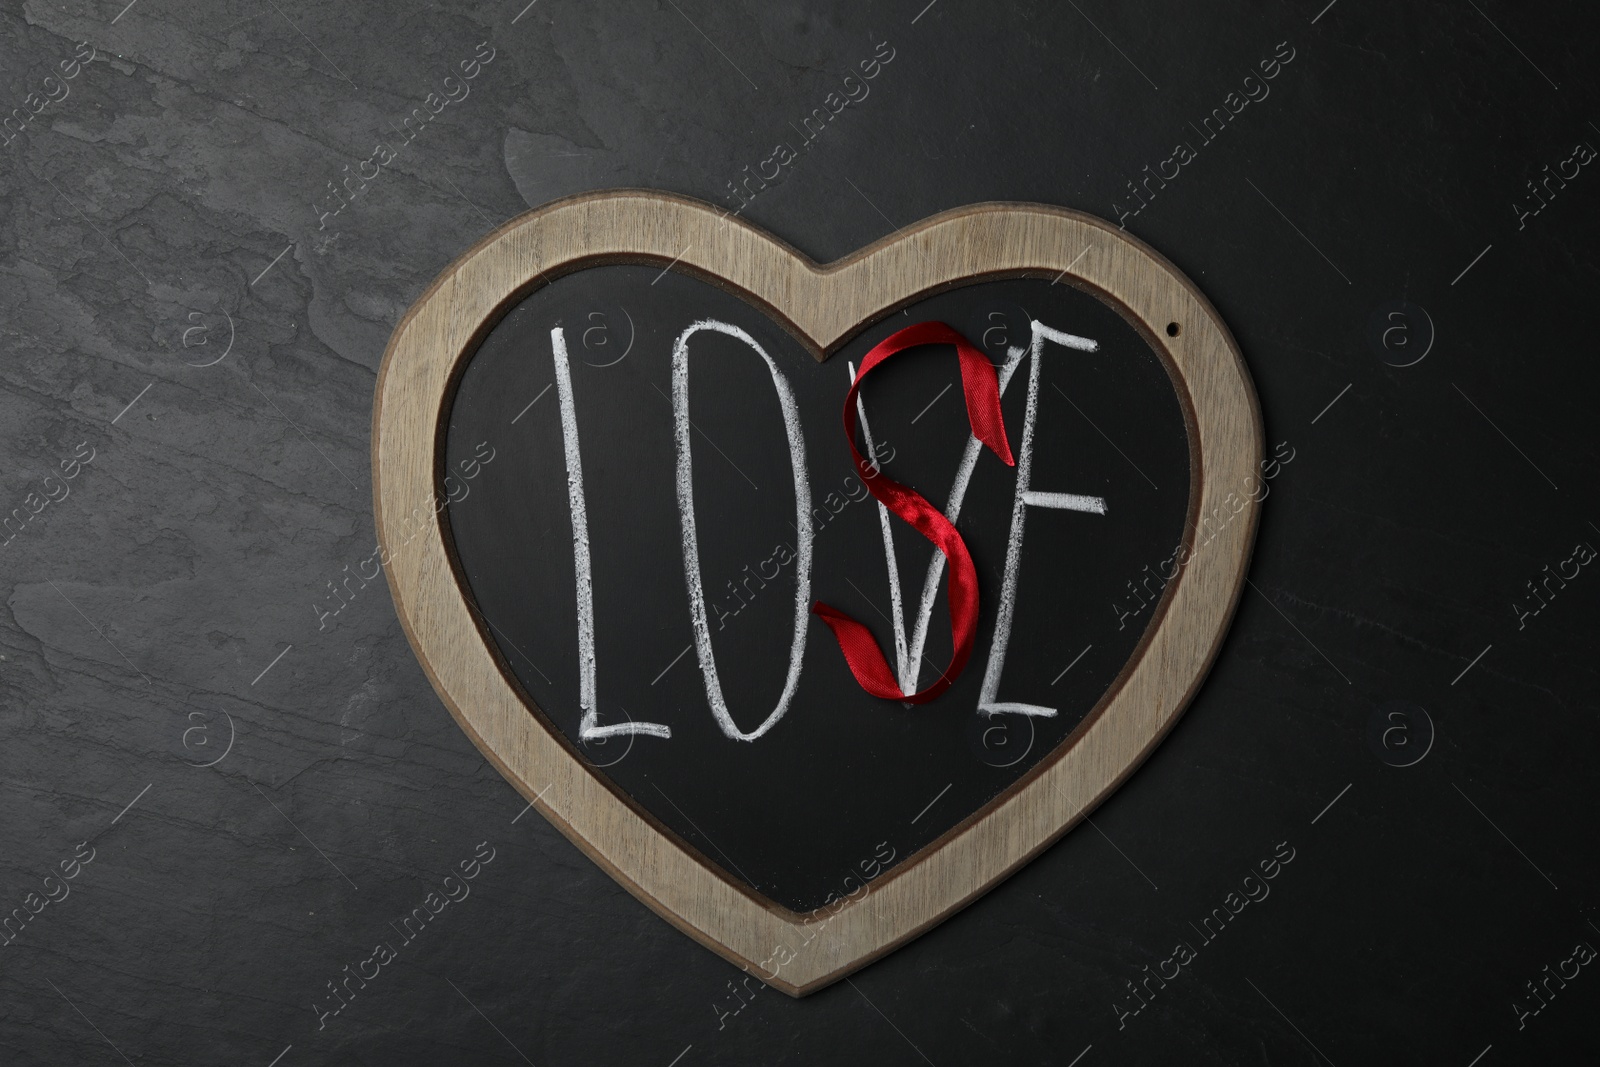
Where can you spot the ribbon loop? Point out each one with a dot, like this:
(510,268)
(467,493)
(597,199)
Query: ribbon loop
(982,392)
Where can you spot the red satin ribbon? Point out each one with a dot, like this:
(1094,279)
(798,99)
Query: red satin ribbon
(982,391)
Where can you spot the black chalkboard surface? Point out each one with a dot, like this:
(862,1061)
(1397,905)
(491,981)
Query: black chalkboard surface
(786,805)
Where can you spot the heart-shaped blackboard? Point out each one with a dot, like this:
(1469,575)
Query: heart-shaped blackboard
(611,480)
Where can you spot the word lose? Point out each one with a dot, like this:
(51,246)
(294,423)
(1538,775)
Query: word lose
(908,653)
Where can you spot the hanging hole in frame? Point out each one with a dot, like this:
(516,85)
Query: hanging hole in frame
(1173,329)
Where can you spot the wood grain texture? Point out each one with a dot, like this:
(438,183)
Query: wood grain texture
(823,305)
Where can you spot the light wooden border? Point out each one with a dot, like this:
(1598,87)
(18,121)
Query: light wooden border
(824,306)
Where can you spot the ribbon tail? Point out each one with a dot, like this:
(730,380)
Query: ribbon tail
(982,389)
(861,652)
(866,662)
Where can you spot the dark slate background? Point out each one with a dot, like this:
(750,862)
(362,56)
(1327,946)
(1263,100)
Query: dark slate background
(166,202)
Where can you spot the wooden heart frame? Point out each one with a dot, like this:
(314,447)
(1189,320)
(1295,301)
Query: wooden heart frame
(823,306)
